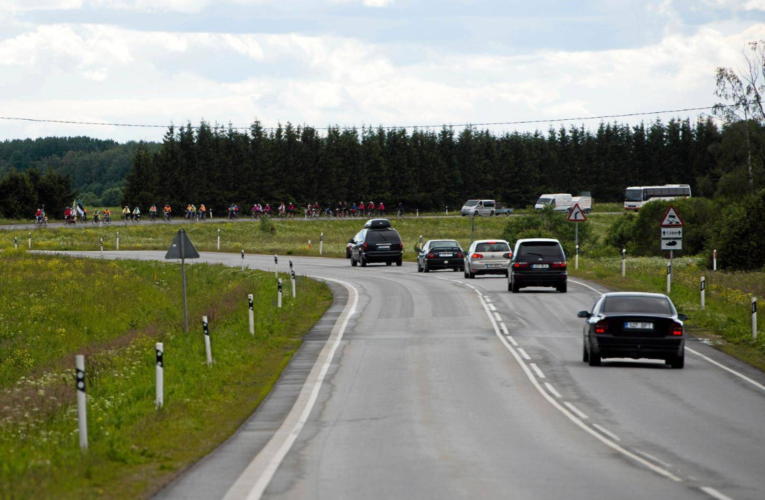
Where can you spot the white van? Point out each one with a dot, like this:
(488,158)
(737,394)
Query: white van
(479,207)
(561,202)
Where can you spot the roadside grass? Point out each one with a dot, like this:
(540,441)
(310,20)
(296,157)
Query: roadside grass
(726,320)
(291,237)
(52,307)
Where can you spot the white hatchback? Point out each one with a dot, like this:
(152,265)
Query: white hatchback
(488,257)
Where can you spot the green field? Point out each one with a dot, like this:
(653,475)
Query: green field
(54,307)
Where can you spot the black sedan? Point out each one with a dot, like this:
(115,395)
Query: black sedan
(634,325)
(440,254)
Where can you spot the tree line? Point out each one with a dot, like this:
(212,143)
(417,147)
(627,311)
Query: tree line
(429,170)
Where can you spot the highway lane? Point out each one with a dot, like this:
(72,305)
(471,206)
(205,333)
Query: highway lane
(426,396)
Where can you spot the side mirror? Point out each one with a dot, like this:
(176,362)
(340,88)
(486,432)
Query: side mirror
(351,241)
(682,317)
(583,314)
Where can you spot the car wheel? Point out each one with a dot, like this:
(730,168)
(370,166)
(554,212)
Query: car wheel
(678,362)
(363,261)
(594,359)
(509,286)
(347,254)
(353,262)
(516,288)
(399,262)
(455,269)
(419,268)
(563,288)
(585,354)
(388,263)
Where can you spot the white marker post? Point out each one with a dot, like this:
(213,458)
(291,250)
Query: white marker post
(280,292)
(669,278)
(15,243)
(714,260)
(30,240)
(703,292)
(321,244)
(294,287)
(82,410)
(160,351)
(624,262)
(754,318)
(276,266)
(208,350)
(242,260)
(418,213)
(102,248)
(218,239)
(252,314)
(118,240)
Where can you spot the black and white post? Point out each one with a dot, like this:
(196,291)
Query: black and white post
(624,262)
(576,258)
(102,248)
(321,244)
(669,277)
(242,260)
(290,264)
(160,362)
(208,349)
(15,243)
(118,240)
(714,260)
(294,287)
(754,318)
(30,240)
(219,239)
(82,410)
(252,314)
(280,293)
(703,293)
(276,266)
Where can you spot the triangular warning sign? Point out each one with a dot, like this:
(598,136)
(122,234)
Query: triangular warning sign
(182,248)
(576,214)
(672,218)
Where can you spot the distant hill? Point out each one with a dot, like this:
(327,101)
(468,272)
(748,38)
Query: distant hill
(97,167)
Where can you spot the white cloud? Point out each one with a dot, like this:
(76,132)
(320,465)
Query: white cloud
(737,4)
(367,3)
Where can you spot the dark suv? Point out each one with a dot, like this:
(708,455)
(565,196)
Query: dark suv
(377,242)
(538,262)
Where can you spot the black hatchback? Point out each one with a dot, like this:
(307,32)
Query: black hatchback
(538,262)
(377,245)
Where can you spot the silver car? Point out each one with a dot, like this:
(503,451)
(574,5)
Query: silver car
(488,257)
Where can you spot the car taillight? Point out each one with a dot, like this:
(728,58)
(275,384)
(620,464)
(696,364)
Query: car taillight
(676,330)
(460,256)
(477,256)
(431,256)
(365,245)
(508,255)
(400,245)
(558,265)
(601,327)
(518,265)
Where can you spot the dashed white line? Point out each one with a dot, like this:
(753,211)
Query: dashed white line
(576,410)
(651,457)
(606,432)
(523,353)
(714,493)
(491,307)
(497,316)
(537,370)
(512,340)
(504,329)
(487,299)
(552,390)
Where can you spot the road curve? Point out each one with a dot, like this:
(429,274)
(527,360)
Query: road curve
(437,387)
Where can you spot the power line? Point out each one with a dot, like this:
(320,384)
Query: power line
(393,127)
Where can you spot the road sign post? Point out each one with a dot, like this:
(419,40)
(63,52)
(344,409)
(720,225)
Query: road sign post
(754,318)
(276,266)
(279,281)
(252,314)
(669,277)
(624,262)
(294,284)
(703,292)
(160,355)
(82,410)
(183,249)
(671,237)
(576,215)
(208,348)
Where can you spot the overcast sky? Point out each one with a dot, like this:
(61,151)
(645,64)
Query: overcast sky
(358,62)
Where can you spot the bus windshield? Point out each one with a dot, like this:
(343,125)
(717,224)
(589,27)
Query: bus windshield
(633,195)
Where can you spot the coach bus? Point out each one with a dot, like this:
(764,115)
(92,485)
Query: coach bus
(637,196)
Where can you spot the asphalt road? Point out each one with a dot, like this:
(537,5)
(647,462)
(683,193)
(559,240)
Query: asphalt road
(430,386)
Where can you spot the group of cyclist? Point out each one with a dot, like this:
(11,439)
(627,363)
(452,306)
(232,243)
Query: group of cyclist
(344,209)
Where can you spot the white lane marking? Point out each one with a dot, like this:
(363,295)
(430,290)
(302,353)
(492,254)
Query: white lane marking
(470,286)
(504,329)
(255,478)
(714,493)
(606,432)
(537,370)
(647,455)
(512,340)
(487,299)
(734,372)
(496,315)
(697,353)
(576,410)
(523,353)
(588,286)
(573,418)
(552,390)
(491,306)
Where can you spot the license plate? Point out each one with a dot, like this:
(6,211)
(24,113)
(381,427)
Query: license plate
(540,266)
(446,254)
(493,266)
(383,248)
(632,325)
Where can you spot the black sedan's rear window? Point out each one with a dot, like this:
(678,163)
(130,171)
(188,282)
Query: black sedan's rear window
(541,250)
(390,236)
(637,305)
(444,244)
(499,246)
